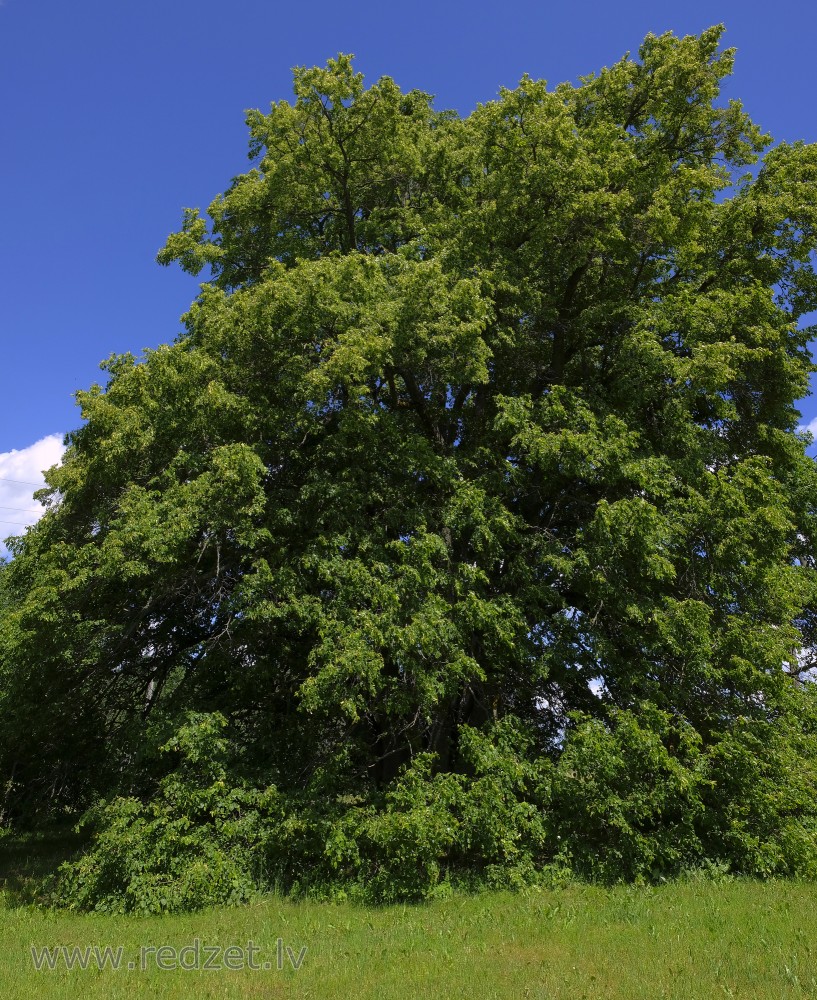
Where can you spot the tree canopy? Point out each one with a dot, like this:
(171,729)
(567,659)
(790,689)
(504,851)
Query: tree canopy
(469,506)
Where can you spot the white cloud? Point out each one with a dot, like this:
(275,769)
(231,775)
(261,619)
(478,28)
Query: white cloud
(21,473)
(811,427)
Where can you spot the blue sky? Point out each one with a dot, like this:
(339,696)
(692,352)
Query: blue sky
(116,114)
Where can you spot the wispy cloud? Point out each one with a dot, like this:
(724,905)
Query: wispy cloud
(21,473)
(811,427)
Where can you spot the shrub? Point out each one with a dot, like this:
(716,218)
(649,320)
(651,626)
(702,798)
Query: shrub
(627,797)
(197,842)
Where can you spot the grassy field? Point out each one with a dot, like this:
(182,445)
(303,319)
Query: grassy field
(689,940)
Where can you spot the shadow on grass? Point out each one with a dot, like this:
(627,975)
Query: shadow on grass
(27,858)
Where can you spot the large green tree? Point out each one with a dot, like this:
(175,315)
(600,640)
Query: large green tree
(479,425)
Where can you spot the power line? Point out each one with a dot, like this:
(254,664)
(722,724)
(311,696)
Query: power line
(22,524)
(25,510)
(21,482)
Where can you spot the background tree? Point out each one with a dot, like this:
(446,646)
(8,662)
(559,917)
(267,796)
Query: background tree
(477,459)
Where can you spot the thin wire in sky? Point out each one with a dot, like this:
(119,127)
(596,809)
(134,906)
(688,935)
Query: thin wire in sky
(21,482)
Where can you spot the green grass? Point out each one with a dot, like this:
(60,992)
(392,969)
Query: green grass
(688,940)
(693,940)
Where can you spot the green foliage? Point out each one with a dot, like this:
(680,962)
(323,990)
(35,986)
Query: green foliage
(471,497)
(195,843)
(628,797)
(433,830)
(638,799)
(761,813)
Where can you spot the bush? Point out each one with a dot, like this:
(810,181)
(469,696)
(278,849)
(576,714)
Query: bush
(627,797)
(761,815)
(430,831)
(635,797)
(198,842)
